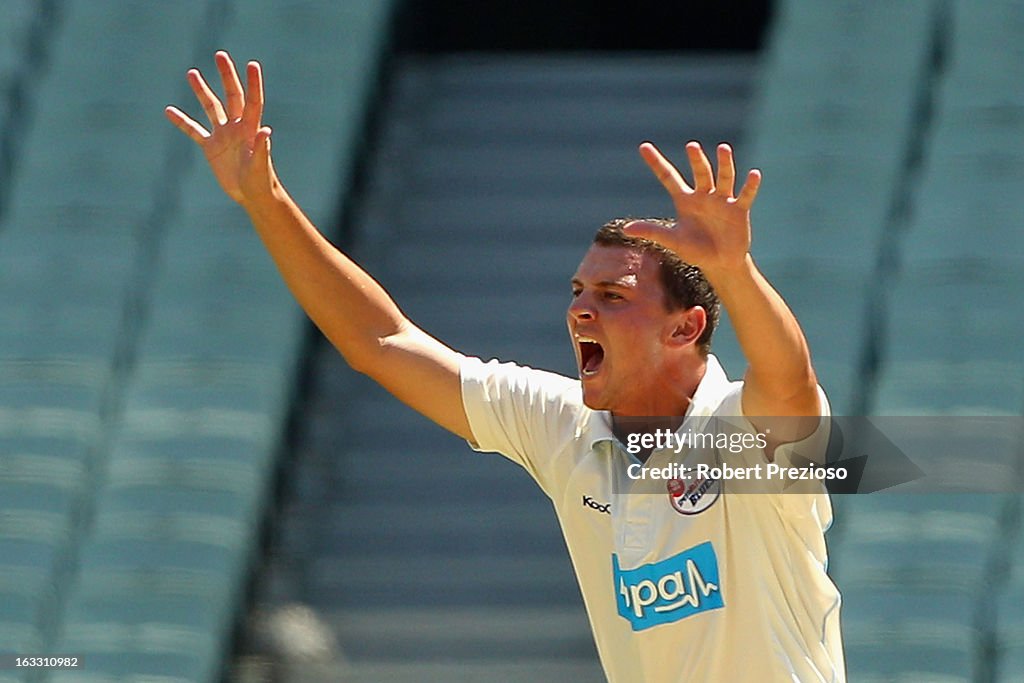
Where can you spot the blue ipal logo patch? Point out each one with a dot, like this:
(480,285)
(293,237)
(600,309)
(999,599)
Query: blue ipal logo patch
(670,590)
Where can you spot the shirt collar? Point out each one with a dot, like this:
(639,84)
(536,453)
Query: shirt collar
(712,386)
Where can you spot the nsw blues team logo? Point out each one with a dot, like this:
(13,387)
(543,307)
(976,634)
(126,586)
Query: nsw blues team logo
(670,590)
(693,496)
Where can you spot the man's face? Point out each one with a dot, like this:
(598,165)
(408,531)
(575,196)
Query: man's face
(619,325)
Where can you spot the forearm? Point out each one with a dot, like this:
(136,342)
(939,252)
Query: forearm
(779,363)
(351,309)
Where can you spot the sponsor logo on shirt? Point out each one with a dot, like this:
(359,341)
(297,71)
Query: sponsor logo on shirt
(693,496)
(589,502)
(667,591)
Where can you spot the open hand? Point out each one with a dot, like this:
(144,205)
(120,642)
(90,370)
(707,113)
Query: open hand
(237,146)
(712,228)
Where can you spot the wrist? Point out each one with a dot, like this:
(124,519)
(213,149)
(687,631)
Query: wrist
(264,201)
(721,276)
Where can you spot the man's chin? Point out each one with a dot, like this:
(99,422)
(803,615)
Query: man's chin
(593,399)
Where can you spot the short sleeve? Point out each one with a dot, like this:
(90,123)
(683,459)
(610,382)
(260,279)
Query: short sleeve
(527,415)
(814,447)
(809,499)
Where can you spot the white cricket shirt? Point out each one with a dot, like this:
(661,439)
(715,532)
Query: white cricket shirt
(696,586)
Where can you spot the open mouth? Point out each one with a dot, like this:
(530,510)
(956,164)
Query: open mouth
(591,357)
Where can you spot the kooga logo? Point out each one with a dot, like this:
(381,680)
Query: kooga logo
(594,505)
(670,590)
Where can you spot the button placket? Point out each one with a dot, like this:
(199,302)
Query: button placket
(633,512)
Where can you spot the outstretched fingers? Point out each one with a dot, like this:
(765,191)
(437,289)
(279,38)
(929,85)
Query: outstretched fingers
(726,183)
(749,191)
(252,116)
(703,180)
(186,124)
(666,173)
(234,98)
(207,100)
(261,146)
(727,179)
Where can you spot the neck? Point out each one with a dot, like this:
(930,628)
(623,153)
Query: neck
(661,415)
(624,425)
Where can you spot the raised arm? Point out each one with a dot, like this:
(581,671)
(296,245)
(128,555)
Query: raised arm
(713,232)
(350,307)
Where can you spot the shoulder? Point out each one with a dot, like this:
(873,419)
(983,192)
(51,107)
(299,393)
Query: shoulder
(528,415)
(494,380)
(716,394)
(543,405)
(724,397)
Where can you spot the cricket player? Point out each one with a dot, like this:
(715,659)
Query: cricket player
(683,582)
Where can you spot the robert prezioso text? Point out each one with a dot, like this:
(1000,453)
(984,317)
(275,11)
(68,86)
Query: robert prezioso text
(760,471)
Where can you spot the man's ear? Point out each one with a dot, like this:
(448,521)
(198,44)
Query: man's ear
(686,326)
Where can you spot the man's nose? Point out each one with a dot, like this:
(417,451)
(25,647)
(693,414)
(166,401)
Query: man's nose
(582,308)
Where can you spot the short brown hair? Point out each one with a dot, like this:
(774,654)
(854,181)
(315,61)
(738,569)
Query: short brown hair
(684,284)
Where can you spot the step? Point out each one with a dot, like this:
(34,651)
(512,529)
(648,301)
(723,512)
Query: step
(474,634)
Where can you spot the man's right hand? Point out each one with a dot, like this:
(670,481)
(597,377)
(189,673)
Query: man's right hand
(350,307)
(237,146)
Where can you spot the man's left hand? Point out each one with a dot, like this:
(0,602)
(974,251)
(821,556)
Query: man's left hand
(712,228)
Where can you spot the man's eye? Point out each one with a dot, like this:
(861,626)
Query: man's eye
(612,296)
(576,292)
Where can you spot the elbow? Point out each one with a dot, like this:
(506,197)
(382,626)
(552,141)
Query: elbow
(805,404)
(358,362)
(367,358)
(794,395)
(802,399)
(377,352)
(363,357)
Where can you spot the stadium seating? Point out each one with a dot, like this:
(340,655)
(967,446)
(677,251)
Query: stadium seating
(950,311)
(933,235)
(1009,624)
(832,139)
(148,351)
